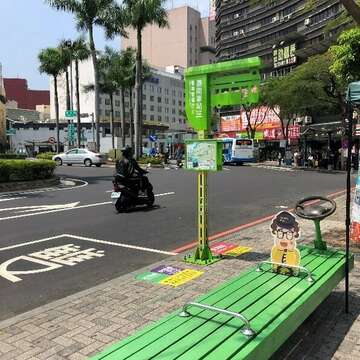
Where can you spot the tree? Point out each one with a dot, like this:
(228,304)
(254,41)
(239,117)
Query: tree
(139,14)
(89,13)
(51,63)
(346,56)
(65,50)
(255,117)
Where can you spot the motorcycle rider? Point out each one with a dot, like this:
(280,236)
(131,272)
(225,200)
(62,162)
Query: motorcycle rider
(129,173)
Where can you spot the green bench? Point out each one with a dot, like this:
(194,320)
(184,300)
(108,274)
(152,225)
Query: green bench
(273,306)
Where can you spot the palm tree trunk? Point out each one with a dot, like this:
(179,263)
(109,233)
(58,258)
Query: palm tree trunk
(353,9)
(57,116)
(78,102)
(96,85)
(112,121)
(67,89)
(131,113)
(71,86)
(138,97)
(123,133)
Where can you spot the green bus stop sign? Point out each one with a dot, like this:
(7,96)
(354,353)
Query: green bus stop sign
(235,82)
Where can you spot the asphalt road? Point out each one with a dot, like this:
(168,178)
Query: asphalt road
(58,242)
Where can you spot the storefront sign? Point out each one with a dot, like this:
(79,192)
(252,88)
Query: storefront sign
(284,56)
(277,133)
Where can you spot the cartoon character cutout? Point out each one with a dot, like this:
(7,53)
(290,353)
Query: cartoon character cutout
(285,230)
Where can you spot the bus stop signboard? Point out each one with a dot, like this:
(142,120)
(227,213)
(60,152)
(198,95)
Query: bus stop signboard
(204,155)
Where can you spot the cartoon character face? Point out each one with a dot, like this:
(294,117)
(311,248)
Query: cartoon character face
(286,230)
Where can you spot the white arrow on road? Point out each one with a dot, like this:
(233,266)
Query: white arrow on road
(25,209)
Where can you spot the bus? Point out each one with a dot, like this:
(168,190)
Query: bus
(238,151)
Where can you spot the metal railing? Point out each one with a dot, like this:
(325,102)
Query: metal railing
(300,268)
(246,330)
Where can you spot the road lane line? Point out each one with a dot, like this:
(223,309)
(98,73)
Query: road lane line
(134,247)
(83,238)
(10,199)
(67,209)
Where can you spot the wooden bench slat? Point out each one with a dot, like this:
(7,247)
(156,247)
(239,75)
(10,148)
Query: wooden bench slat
(165,332)
(216,331)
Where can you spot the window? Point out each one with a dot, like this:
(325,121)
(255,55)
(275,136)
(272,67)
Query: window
(107,101)
(166,91)
(152,88)
(107,112)
(180,103)
(126,104)
(159,90)
(174,93)
(100,100)
(117,103)
(159,108)
(151,107)
(117,93)
(166,110)
(144,97)
(144,106)
(166,101)
(82,151)
(151,97)
(173,119)
(166,118)
(144,86)
(144,117)
(173,102)
(117,113)
(173,111)
(159,99)
(72,152)
(151,117)
(159,118)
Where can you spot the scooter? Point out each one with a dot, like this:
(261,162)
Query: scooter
(126,198)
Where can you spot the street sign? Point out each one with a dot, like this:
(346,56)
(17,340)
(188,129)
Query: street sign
(10,132)
(70,113)
(153,138)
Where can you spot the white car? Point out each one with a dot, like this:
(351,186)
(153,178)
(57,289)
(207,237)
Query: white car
(80,156)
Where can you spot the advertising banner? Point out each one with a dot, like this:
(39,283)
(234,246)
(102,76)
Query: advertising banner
(277,134)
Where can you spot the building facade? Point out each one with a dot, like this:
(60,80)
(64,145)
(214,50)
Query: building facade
(163,102)
(284,34)
(17,90)
(188,41)
(2,113)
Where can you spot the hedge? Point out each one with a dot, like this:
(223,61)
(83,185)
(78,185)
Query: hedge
(26,170)
(46,155)
(12,157)
(150,160)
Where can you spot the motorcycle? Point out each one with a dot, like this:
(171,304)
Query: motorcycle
(126,198)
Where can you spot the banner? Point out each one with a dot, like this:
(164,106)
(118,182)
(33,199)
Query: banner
(262,118)
(277,134)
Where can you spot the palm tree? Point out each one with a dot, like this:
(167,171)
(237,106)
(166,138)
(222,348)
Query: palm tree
(51,63)
(80,52)
(65,49)
(89,13)
(139,14)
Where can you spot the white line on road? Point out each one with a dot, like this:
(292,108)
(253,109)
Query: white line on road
(226,169)
(91,240)
(14,198)
(67,209)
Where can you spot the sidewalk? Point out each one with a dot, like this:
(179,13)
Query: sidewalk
(83,324)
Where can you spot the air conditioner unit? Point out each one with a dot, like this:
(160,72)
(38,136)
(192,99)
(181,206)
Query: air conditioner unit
(242,32)
(287,17)
(307,22)
(308,120)
(298,120)
(275,18)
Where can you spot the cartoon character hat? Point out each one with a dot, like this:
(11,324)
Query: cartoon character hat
(285,220)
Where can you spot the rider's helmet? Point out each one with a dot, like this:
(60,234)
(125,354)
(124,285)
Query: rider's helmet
(127,152)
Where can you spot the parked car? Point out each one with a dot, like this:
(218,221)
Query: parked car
(80,156)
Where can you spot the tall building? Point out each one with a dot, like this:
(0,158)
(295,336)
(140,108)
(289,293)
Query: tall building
(2,113)
(188,41)
(17,90)
(163,100)
(284,34)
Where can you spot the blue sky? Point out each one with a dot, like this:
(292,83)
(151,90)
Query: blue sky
(27,26)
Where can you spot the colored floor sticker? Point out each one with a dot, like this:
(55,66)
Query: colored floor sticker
(181,277)
(221,248)
(238,251)
(167,269)
(152,277)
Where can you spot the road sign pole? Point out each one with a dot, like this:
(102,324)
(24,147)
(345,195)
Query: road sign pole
(203,255)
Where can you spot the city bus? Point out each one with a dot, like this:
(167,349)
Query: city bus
(238,151)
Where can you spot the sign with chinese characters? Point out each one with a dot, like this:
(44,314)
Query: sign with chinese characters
(284,56)
(277,134)
(204,155)
(181,277)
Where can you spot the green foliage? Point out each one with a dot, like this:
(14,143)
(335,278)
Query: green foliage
(26,170)
(346,56)
(150,160)
(46,155)
(51,61)
(114,154)
(12,157)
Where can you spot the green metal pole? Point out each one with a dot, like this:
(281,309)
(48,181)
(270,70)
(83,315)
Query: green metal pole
(319,243)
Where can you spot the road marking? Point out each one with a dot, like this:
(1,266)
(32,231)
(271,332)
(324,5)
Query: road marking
(24,209)
(42,212)
(226,169)
(134,247)
(10,199)
(245,226)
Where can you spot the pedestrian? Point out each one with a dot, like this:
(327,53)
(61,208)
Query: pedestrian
(279,158)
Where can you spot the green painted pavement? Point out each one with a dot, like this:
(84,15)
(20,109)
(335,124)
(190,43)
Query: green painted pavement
(275,305)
